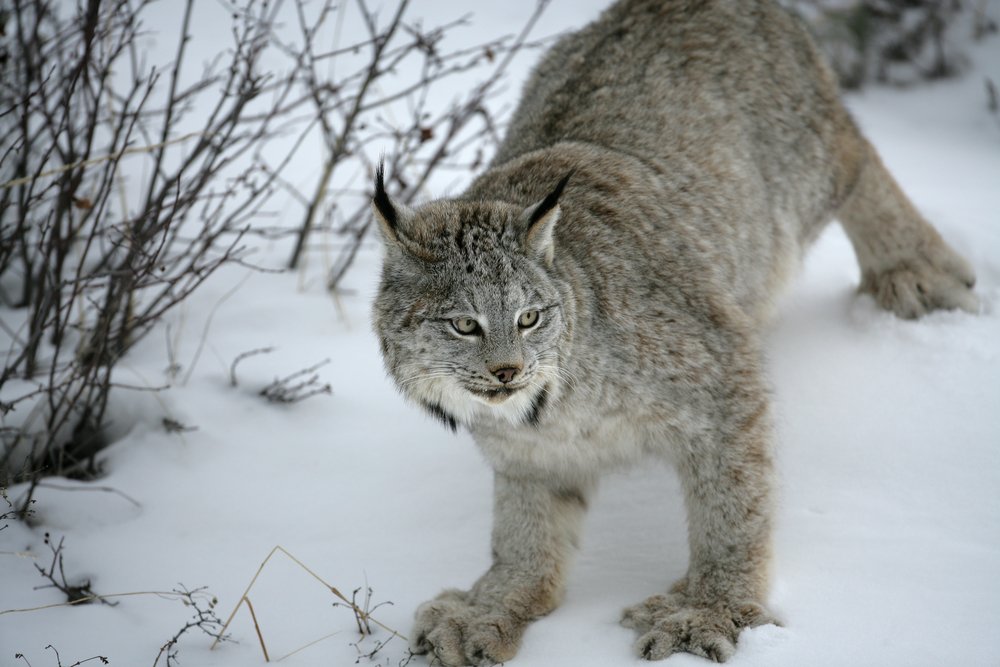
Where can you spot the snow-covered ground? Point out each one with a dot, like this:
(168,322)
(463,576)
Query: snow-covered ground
(888,545)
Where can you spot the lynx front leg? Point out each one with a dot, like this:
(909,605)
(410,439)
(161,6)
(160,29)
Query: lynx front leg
(729,487)
(905,264)
(535,531)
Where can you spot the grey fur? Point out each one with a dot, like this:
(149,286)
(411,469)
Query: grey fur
(708,148)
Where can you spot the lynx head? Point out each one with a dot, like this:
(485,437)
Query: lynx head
(468,315)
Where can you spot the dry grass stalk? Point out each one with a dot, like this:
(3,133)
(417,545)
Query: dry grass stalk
(361,615)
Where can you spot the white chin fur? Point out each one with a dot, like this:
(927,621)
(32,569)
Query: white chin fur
(466,407)
(516,408)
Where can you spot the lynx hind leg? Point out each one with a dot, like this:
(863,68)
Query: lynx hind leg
(905,264)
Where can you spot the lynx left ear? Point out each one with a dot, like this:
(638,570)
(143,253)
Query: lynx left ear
(541,220)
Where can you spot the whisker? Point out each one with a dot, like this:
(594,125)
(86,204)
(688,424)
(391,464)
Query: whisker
(560,371)
(433,375)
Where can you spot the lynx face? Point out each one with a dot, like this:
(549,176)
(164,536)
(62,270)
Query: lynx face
(469,319)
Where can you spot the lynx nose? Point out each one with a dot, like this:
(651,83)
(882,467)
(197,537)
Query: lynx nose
(505,375)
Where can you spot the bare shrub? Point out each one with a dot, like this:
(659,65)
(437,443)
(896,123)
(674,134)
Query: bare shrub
(103,660)
(90,259)
(298,386)
(87,265)
(886,41)
(80,593)
(203,619)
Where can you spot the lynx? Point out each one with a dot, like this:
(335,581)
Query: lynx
(598,297)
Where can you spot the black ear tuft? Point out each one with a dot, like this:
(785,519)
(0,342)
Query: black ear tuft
(381,200)
(551,200)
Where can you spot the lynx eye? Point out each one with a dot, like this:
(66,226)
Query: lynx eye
(465,326)
(528,319)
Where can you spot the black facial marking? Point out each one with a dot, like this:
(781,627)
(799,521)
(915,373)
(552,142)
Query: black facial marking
(438,412)
(572,496)
(381,199)
(536,409)
(551,200)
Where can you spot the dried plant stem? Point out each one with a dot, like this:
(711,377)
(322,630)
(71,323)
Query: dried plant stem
(257,628)
(360,613)
(162,594)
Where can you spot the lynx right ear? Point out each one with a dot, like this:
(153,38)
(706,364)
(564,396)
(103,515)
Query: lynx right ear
(391,216)
(541,220)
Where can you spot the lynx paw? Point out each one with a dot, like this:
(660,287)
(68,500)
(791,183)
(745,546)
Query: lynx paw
(668,626)
(935,279)
(455,632)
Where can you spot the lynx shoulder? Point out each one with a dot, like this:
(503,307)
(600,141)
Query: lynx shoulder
(596,298)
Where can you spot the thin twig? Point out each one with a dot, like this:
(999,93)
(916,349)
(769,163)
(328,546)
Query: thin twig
(208,324)
(244,355)
(162,594)
(98,160)
(107,489)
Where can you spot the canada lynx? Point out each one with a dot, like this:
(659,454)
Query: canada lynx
(597,298)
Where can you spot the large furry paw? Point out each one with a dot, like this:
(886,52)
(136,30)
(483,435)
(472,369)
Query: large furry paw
(667,625)
(455,632)
(937,278)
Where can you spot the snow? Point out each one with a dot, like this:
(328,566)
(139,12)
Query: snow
(888,540)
